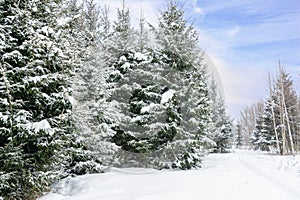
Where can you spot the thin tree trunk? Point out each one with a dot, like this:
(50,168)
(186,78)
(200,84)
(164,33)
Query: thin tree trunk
(286,114)
(273,116)
(282,127)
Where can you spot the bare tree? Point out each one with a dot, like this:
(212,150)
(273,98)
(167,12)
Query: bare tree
(273,116)
(248,121)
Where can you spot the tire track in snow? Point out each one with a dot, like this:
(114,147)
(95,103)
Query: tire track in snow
(291,193)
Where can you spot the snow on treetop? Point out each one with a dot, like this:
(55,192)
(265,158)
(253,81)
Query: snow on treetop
(147,108)
(140,56)
(167,96)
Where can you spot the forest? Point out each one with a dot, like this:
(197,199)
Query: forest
(81,93)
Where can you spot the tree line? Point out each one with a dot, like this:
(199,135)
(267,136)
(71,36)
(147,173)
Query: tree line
(273,124)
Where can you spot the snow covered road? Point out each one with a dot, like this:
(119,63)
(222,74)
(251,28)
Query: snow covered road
(235,176)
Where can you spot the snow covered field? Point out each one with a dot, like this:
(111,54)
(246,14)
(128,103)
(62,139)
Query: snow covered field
(235,176)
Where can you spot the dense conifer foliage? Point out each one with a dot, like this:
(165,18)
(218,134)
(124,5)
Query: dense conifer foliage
(79,93)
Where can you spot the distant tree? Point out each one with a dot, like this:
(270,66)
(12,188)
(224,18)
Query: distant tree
(239,136)
(277,126)
(248,121)
(286,112)
(263,136)
(222,125)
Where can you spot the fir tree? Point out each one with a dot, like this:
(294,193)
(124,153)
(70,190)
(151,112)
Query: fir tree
(34,106)
(151,82)
(263,137)
(90,93)
(222,125)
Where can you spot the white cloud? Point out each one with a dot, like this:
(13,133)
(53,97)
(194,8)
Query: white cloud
(243,86)
(199,10)
(233,31)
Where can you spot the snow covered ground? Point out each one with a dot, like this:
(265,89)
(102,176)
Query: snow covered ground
(241,175)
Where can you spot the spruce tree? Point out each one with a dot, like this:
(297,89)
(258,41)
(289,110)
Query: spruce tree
(264,135)
(222,125)
(34,103)
(89,90)
(149,96)
(185,74)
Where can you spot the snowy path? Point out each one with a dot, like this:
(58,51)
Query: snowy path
(232,176)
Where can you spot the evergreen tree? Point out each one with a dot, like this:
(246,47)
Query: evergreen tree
(186,73)
(263,137)
(34,97)
(91,92)
(150,96)
(222,125)
(121,40)
(239,137)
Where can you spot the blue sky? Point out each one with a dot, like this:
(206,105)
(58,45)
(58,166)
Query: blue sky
(244,39)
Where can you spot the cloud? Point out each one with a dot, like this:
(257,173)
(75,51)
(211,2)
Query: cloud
(244,38)
(199,10)
(233,31)
(242,86)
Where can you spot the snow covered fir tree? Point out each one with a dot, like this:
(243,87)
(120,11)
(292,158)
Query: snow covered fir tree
(80,93)
(35,111)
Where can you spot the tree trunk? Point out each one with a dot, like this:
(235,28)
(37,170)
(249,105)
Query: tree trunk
(286,114)
(273,116)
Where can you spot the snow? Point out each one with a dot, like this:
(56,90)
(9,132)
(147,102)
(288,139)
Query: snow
(65,20)
(41,125)
(123,59)
(148,108)
(47,30)
(126,66)
(140,56)
(167,96)
(72,100)
(34,79)
(174,24)
(13,54)
(3,117)
(235,176)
